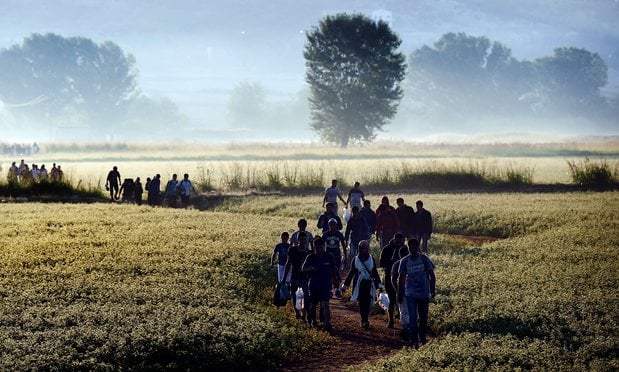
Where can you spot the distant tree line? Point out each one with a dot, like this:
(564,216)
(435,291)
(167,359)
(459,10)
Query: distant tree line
(53,80)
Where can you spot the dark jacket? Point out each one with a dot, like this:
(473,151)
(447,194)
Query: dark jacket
(370,217)
(387,223)
(357,229)
(423,222)
(323,221)
(406,216)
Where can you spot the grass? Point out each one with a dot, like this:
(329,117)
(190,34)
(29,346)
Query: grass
(594,173)
(55,189)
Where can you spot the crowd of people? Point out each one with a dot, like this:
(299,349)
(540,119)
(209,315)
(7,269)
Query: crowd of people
(19,149)
(316,264)
(132,191)
(25,175)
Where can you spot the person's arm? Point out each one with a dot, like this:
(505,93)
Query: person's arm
(308,265)
(432,279)
(339,223)
(376,276)
(351,274)
(401,286)
(430,220)
(344,246)
(288,266)
(273,256)
(324,200)
(347,233)
(342,199)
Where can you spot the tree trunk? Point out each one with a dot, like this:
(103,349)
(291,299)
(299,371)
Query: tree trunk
(344,141)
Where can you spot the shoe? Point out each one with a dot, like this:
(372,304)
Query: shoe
(338,293)
(390,324)
(365,325)
(415,345)
(297,314)
(404,334)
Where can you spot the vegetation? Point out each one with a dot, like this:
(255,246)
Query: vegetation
(593,173)
(55,189)
(113,286)
(354,71)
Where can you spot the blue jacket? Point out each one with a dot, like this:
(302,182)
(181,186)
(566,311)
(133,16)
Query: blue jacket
(357,229)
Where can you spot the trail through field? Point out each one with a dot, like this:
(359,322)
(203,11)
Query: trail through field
(353,345)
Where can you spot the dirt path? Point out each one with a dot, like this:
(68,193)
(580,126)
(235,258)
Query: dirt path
(353,344)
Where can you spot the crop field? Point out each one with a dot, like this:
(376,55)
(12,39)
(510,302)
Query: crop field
(103,286)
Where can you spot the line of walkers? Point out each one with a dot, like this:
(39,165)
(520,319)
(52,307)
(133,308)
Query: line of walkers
(26,175)
(131,191)
(310,268)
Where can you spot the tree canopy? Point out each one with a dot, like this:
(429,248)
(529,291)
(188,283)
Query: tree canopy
(50,77)
(354,71)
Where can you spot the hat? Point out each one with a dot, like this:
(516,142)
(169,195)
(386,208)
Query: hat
(332,220)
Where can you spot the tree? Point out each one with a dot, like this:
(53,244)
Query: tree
(570,80)
(247,106)
(50,77)
(354,72)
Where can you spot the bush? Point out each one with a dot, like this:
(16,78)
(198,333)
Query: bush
(593,173)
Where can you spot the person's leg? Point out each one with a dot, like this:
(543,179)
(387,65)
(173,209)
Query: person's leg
(365,301)
(412,320)
(425,243)
(281,269)
(423,319)
(404,320)
(391,293)
(325,308)
(294,285)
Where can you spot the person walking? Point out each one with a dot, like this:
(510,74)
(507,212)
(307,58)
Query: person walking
(406,217)
(416,285)
(423,226)
(370,217)
(112,183)
(323,220)
(355,196)
(404,325)
(298,279)
(356,231)
(170,194)
(387,223)
(138,191)
(186,188)
(388,255)
(321,268)
(302,226)
(366,281)
(331,195)
(281,251)
(154,188)
(333,240)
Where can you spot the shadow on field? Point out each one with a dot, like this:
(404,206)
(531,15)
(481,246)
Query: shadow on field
(505,325)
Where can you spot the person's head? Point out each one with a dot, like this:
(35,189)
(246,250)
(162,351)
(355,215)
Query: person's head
(13,163)
(319,245)
(332,224)
(356,185)
(355,210)
(403,251)
(158,176)
(137,179)
(413,247)
(398,239)
(333,183)
(419,205)
(367,204)
(384,200)
(174,176)
(115,168)
(399,202)
(302,224)
(285,236)
(42,166)
(364,249)
(186,176)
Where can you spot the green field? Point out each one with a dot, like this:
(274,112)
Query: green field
(119,286)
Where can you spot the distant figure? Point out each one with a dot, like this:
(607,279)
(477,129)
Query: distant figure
(170,194)
(356,231)
(281,251)
(370,217)
(331,195)
(404,325)
(112,183)
(53,173)
(423,226)
(138,190)
(416,285)
(387,223)
(43,173)
(355,197)
(186,187)
(298,279)
(154,188)
(366,281)
(127,190)
(13,173)
(60,174)
(406,216)
(333,240)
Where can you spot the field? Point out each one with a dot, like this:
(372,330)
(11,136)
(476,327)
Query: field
(119,286)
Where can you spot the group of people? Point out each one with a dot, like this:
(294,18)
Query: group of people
(26,175)
(316,264)
(131,191)
(19,149)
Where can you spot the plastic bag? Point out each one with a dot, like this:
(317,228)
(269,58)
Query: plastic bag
(299,304)
(383,301)
(281,294)
(346,214)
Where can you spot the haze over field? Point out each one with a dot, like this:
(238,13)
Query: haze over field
(196,55)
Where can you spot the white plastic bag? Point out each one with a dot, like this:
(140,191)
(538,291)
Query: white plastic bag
(346,214)
(383,301)
(299,303)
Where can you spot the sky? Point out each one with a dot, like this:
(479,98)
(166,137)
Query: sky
(196,51)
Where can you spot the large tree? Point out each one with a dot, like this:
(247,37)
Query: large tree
(354,71)
(67,80)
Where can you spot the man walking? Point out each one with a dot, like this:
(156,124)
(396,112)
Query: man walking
(406,216)
(423,226)
(389,254)
(112,183)
(416,285)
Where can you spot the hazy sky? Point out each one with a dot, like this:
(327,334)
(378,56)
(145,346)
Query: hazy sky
(196,51)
